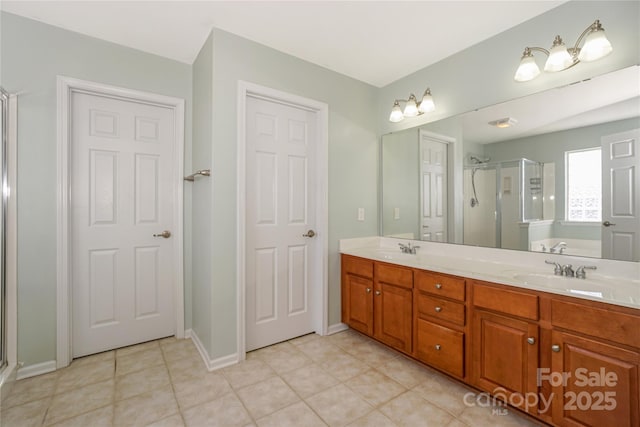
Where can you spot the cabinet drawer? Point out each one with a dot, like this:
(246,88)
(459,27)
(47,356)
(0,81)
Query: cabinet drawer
(394,275)
(437,284)
(618,327)
(357,266)
(441,309)
(440,347)
(506,301)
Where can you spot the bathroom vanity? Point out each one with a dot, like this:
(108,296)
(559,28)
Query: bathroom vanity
(564,350)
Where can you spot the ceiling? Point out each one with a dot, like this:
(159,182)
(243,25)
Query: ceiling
(609,97)
(377,42)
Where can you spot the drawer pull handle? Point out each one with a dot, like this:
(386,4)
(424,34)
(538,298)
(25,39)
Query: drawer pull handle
(368,290)
(377,292)
(531,340)
(438,347)
(438,309)
(555,348)
(438,286)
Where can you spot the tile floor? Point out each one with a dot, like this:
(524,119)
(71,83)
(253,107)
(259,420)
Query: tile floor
(339,380)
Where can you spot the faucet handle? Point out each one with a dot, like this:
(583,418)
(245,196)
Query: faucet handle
(568,270)
(558,268)
(581,273)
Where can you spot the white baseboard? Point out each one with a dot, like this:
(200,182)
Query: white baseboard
(337,327)
(37,369)
(211,364)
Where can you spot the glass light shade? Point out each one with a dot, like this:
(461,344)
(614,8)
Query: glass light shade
(396,113)
(411,109)
(596,46)
(527,70)
(427,105)
(559,59)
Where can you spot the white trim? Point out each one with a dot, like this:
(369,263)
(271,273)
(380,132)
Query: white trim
(11,243)
(66,86)
(337,327)
(37,369)
(214,364)
(246,89)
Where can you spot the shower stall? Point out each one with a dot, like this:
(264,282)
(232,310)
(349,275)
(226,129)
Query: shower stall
(498,198)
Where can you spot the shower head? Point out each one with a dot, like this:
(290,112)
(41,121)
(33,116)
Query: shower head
(473,159)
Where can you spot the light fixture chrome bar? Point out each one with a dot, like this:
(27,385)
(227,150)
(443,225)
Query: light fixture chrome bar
(192,177)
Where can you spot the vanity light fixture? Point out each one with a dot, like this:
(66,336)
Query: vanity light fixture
(559,57)
(412,107)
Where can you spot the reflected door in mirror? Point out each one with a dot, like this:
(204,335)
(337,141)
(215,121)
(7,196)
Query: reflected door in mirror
(433,188)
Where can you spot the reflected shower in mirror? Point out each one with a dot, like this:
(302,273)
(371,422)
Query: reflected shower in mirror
(552,172)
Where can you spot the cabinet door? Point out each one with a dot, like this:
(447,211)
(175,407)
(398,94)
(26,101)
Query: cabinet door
(601,386)
(358,303)
(393,315)
(505,357)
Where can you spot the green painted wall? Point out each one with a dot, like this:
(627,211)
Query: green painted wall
(33,55)
(201,187)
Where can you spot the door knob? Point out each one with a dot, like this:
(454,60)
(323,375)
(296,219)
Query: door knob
(608,224)
(166,234)
(310,233)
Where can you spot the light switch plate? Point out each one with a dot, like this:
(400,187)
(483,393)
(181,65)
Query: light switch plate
(360,214)
(396,213)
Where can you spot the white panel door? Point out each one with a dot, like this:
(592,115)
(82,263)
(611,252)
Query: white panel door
(433,189)
(280,210)
(121,195)
(620,204)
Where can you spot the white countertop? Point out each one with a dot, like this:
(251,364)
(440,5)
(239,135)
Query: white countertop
(614,282)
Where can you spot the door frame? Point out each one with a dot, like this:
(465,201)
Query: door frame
(66,86)
(320,281)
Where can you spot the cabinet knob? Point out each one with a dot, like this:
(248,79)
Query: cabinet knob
(531,340)
(438,347)
(555,348)
(438,309)
(438,286)
(368,290)
(377,292)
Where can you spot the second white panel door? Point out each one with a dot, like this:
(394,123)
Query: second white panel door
(281,141)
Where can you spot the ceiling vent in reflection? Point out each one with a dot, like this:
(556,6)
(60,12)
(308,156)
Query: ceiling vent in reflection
(507,122)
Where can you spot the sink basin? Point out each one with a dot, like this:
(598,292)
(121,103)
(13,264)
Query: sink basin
(390,255)
(593,287)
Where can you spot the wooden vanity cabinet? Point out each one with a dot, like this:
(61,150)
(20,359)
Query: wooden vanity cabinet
(377,300)
(357,293)
(504,345)
(392,306)
(598,348)
(439,321)
(508,341)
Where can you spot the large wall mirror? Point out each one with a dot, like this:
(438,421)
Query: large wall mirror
(558,172)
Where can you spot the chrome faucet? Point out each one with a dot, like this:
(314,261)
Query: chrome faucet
(561,245)
(581,273)
(408,249)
